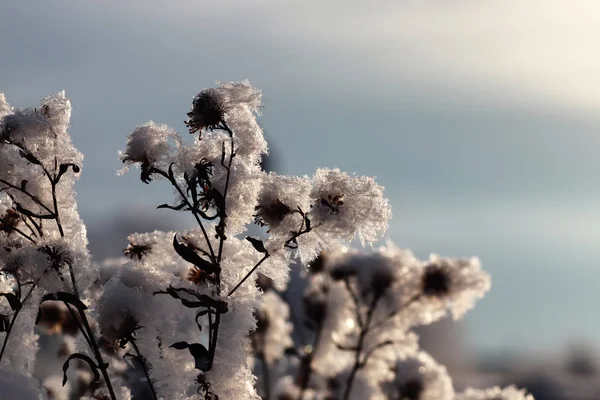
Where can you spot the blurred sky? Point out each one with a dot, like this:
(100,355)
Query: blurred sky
(479,117)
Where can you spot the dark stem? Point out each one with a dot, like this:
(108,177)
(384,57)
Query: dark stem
(304,228)
(28,226)
(56,216)
(144,367)
(359,348)
(222,222)
(214,337)
(20,232)
(37,226)
(356,303)
(171,179)
(81,329)
(25,192)
(248,274)
(98,356)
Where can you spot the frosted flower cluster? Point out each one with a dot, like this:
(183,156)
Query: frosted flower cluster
(360,308)
(43,244)
(206,313)
(418,376)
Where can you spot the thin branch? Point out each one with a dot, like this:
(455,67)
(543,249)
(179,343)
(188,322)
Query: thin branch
(81,329)
(25,192)
(144,367)
(361,341)
(20,232)
(28,226)
(373,350)
(222,222)
(248,274)
(101,364)
(184,197)
(356,303)
(37,226)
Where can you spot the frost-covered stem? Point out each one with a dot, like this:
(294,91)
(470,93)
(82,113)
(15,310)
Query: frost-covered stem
(248,274)
(359,347)
(14,318)
(144,368)
(308,372)
(54,182)
(228,168)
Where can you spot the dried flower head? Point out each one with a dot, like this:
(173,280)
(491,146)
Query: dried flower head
(9,220)
(198,276)
(418,377)
(436,280)
(207,111)
(137,250)
(333,202)
(271,214)
(57,256)
(126,330)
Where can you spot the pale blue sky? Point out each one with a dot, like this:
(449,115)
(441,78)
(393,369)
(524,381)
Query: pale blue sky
(480,118)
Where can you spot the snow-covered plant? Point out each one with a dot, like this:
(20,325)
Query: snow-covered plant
(360,308)
(191,302)
(190,315)
(43,244)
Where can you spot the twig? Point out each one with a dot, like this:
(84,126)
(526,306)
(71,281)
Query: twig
(144,367)
(248,274)
(228,168)
(169,176)
(361,339)
(20,232)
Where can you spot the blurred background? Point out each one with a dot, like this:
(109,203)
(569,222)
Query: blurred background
(480,119)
